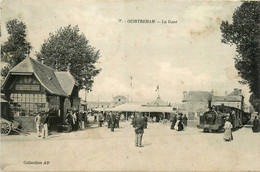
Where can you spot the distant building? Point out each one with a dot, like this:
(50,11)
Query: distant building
(94,105)
(158,109)
(234,99)
(119,100)
(196,102)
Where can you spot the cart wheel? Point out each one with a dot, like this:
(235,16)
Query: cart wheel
(5,128)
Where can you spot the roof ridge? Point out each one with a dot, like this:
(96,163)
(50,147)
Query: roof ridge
(33,66)
(41,63)
(38,63)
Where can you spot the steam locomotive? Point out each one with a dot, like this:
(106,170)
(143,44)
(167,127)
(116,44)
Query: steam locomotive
(214,119)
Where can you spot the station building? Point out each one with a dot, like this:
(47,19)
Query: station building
(32,86)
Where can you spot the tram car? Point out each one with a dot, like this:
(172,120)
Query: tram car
(214,119)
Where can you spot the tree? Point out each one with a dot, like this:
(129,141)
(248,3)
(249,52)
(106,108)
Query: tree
(15,49)
(244,32)
(67,48)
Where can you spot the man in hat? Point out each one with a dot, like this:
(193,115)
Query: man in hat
(38,124)
(174,120)
(44,124)
(113,120)
(139,130)
(145,121)
(117,118)
(108,117)
(100,119)
(81,120)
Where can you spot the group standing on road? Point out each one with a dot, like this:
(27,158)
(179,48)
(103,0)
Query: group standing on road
(76,121)
(179,122)
(41,121)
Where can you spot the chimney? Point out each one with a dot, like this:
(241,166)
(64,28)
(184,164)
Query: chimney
(209,103)
(42,60)
(225,92)
(68,67)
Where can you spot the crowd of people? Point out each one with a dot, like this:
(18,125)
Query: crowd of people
(113,119)
(77,120)
(179,122)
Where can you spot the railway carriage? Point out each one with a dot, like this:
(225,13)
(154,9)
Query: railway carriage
(214,119)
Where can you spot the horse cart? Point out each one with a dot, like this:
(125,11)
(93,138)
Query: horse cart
(8,126)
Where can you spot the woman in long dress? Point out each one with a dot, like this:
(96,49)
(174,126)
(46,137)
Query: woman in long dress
(256,127)
(179,125)
(228,133)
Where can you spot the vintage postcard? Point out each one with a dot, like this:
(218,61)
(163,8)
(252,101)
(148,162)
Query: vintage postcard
(157,85)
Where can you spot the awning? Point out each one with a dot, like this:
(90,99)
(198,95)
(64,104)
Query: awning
(128,107)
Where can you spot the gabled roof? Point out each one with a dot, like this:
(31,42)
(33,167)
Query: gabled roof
(24,66)
(66,80)
(158,102)
(43,73)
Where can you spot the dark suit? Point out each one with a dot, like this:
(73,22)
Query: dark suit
(113,119)
(139,124)
(108,120)
(117,121)
(174,120)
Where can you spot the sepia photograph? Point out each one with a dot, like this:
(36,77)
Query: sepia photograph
(109,85)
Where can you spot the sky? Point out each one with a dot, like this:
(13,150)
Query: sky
(183,56)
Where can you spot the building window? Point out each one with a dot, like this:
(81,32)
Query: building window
(29,104)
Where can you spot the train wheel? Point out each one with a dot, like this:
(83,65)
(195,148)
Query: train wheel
(205,130)
(5,128)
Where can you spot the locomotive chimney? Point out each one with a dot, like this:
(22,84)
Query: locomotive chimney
(209,103)
(210,99)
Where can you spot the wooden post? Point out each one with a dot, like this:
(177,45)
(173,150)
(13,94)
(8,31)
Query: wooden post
(126,116)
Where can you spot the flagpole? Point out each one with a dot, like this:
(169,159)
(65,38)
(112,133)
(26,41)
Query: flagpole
(158,90)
